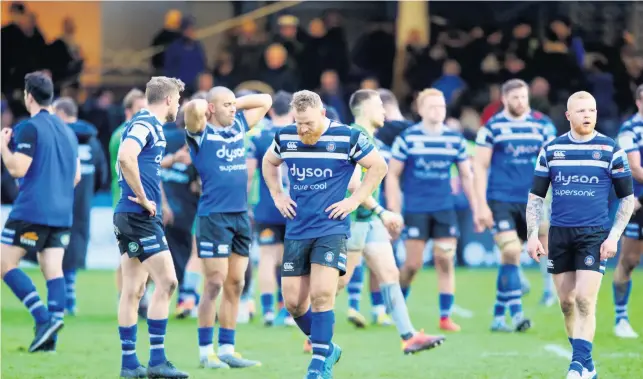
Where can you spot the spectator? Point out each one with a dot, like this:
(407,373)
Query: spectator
(374,52)
(65,58)
(318,54)
(165,37)
(369,83)
(336,39)
(450,83)
(332,94)
(289,36)
(278,74)
(185,58)
(247,46)
(539,95)
(494,106)
(225,71)
(205,82)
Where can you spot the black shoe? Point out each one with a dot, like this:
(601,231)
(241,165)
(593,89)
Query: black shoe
(45,333)
(166,370)
(47,347)
(139,372)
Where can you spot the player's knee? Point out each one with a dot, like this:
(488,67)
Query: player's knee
(295,308)
(388,275)
(510,251)
(167,287)
(630,261)
(321,300)
(443,262)
(212,287)
(234,285)
(567,306)
(584,305)
(134,293)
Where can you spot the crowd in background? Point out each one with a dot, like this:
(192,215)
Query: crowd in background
(467,63)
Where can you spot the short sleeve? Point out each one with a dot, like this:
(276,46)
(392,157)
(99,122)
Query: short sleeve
(275,146)
(485,136)
(360,145)
(25,139)
(619,167)
(399,150)
(462,150)
(141,133)
(542,167)
(241,122)
(628,140)
(251,150)
(549,131)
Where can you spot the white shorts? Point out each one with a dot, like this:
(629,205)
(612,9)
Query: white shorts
(365,232)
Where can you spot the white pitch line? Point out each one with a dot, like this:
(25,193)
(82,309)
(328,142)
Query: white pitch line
(559,351)
(461,312)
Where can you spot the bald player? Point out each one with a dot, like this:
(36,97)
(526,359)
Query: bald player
(215,133)
(582,166)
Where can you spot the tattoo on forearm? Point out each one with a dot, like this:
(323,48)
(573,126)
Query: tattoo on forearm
(535,207)
(623,215)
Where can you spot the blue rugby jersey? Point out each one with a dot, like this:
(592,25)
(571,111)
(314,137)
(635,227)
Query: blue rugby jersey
(319,175)
(630,138)
(428,158)
(265,212)
(515,144)
(581,176)
(219,155)
(147,131)
(46,193)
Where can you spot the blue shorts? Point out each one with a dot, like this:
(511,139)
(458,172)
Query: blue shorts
(270,234)
(425,226)
(139,235)
(220,234)
(575,249)
(34,238)
(509,216)
(327,251)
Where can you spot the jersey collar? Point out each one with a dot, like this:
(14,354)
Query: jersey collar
(571,137)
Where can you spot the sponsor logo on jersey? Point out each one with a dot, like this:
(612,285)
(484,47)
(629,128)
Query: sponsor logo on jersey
(302,173)
(559,154)
(575,179)
(291,146)
(230,154)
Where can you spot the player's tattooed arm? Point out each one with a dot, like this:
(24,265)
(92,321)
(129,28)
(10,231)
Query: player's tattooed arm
(535,206)
(254,107)
(622,218)
(196,115)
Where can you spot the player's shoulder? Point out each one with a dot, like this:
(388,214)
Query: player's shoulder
(144,117)
(288,130)
(603,140)
(415,129)
(539,118)
(633,124)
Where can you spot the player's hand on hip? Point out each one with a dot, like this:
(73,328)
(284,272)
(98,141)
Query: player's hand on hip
(535,248)
(285,205)
(342,208)
(608,249)
(394,222)
(6,136)
(148,205)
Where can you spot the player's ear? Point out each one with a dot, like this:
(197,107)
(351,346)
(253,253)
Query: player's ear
(323,112)
(211,108)
(567,115)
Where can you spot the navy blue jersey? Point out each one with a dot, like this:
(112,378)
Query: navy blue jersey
(46,195)
(219,155)
(630,138)
(581,176)
(515,144)
(147,131)
(265,212)
(319,175)
(427,159)
(177,182)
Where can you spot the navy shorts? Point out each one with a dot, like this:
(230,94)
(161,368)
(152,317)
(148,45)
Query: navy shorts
(573,249)
(219,234)
(327,251)
(634,229)
(139,235)
(509,216)
(270,234)
(34,238)
(425,226)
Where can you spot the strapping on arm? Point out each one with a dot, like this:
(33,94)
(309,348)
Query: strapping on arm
(535,206)
(622,218)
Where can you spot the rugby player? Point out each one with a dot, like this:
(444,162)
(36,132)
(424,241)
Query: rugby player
(139,229)
(45,158)
(320,164)
(630,139)
(506,151)
(133,102)
(93,165)
(215,129)
(370,227)
(422,158)
(582,166)
(270,224)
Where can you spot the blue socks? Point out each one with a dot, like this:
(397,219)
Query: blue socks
(305,322)
(405,292)
(226,341)
(24,290)
(70,286)
(354,287)
(621,297)
(157,329)
(508,293)
(206,336)
(581,356)
(322,334)
(129,360)
(376,298)
(56,297)
(446,303)
(267,303)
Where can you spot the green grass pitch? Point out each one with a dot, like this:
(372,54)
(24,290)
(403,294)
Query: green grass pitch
(89,345)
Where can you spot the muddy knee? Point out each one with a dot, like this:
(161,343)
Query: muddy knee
(567,306)
(585,306)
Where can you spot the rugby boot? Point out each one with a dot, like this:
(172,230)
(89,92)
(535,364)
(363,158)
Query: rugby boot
(331,360)
(624,330)
(166,370)
(212,361)
(237,361)
(420,342)
(500,326)
(356,318)
(448,325)
(313,374)
(522,325)
(139,372)
(45,333)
